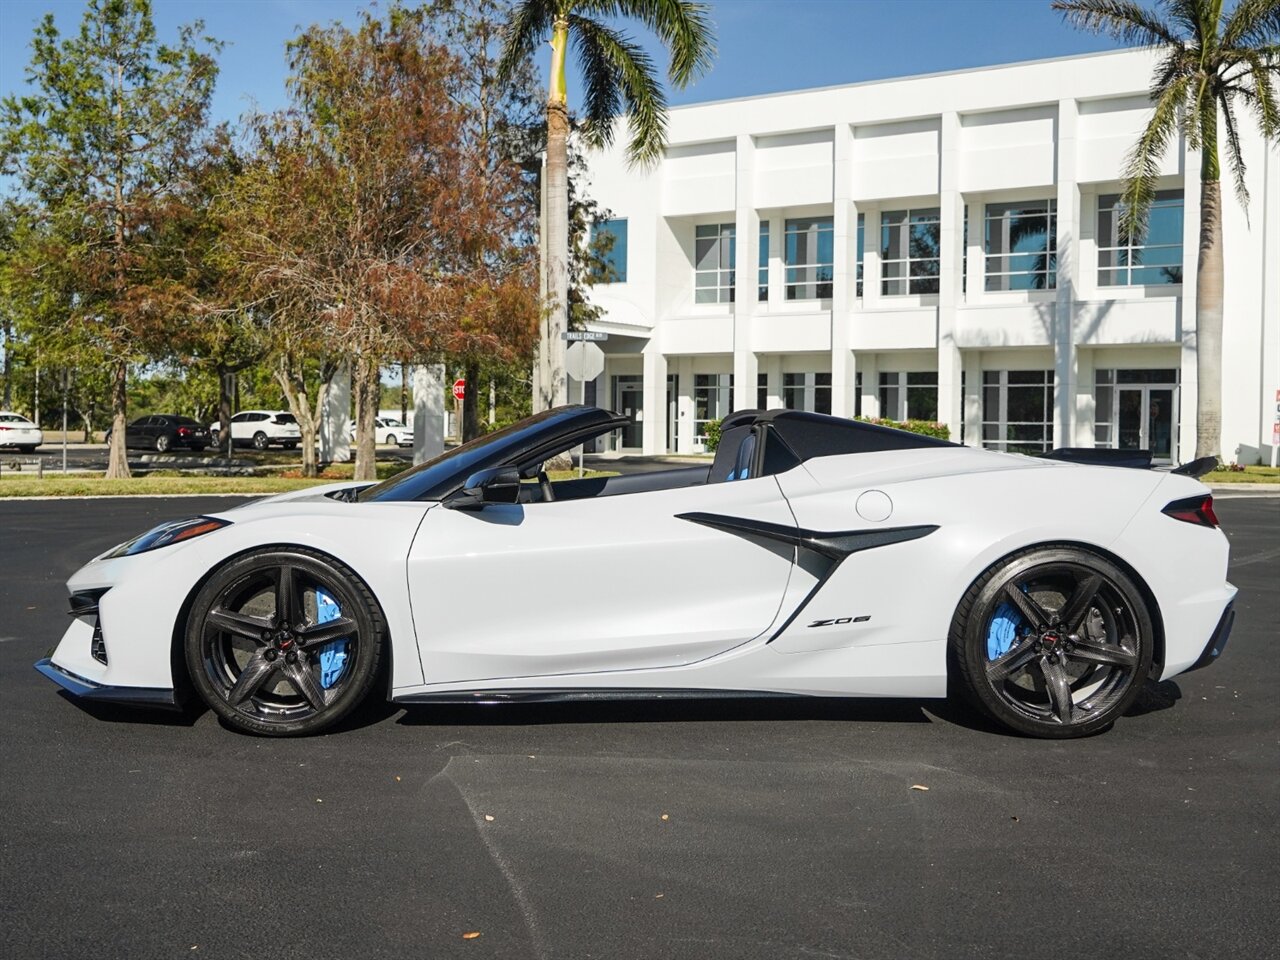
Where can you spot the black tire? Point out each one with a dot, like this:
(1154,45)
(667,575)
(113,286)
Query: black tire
(163,442)
(289,445)
(236,638)
(1080,642)
(261,441)
(28,448)
(391,440)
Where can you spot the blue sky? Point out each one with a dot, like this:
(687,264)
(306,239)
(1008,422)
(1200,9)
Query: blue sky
(764,45)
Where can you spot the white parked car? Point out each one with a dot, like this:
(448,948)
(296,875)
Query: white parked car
(263,428)
(387,430)
(17,431)
(846,560)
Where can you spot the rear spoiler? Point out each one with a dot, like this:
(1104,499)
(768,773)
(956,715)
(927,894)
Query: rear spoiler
(1133,459)
(1198,468)
(1103,457)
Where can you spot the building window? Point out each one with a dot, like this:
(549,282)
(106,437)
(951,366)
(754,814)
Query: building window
(714,251)
(712,400)
(810,258)
(1021,245)
(807,391)
(909,396)
(610,240)
(861,254)
(1017,410)
(762,391)
(1156,258)
(857,394)
(909,246)
(762,280)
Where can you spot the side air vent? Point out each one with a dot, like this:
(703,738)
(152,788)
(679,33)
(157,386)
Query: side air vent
(98,646)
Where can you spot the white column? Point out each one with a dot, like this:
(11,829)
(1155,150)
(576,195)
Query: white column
(335,438)
(428,411)
(871,263)
(1083,434)
(684,404)
(845,277)
(747,229)
(972,400)
(1066,375)
(654,431)
(951,203)
(1189,390)
(869,365)
(976,274)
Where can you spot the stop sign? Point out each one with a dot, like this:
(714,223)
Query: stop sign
(460,389)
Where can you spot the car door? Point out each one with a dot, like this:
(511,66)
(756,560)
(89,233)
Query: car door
(583,586)
(135,434)
(240,426)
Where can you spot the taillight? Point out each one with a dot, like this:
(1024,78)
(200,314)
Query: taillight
(1197,510)
(184,431)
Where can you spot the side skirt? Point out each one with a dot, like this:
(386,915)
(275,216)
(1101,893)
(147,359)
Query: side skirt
(571,695)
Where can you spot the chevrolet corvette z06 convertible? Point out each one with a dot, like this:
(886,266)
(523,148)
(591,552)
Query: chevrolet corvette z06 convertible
(815,556)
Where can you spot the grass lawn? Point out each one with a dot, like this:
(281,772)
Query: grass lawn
(1247,475)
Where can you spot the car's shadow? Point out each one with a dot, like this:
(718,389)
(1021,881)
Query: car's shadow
(1155,696)
(692,710)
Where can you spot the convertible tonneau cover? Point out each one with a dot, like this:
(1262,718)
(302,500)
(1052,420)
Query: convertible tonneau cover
(812,435)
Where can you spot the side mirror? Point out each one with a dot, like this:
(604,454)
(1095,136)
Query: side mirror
(495,485)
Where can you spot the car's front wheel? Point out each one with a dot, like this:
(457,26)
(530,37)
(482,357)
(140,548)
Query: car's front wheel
(261,441)
(391,440)
(1053,642)
(284,642)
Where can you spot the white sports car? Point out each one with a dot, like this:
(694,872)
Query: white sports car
(816,556)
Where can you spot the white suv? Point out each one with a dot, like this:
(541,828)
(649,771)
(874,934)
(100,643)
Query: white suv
(262,428)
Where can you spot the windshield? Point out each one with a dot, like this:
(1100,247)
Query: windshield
(441,476)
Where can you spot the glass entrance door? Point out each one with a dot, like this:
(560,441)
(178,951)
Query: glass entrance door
(628,400)
(1144,418)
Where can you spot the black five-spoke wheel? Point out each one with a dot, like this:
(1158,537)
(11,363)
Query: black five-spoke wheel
(1053,642)
(283,642)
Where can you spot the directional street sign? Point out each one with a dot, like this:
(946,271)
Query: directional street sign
(584,361)
(585,335)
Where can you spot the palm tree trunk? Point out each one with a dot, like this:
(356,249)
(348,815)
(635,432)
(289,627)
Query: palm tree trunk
(553,387)
(1209,323)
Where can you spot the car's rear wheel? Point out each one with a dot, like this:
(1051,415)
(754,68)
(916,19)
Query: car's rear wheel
(284,642)
(163,443)
(261,441)
(1053,642)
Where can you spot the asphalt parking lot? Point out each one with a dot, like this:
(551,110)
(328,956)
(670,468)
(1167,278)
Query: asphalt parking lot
(730,829)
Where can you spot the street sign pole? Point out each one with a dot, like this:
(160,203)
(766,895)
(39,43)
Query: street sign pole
(583,361)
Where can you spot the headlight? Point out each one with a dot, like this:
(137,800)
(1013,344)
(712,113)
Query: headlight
(165,534)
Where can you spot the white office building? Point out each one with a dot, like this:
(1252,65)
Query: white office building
(941,247)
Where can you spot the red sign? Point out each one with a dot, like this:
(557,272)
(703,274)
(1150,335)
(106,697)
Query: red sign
(460,389)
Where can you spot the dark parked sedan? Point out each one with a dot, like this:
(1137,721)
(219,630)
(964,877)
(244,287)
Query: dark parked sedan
(163,432)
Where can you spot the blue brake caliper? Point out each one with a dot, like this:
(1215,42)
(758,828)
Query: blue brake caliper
(333,655)
(1003,631)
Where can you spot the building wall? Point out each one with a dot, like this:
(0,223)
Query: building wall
(1050,130)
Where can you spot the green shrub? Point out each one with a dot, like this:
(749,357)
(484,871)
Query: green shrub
(713,436)
(926,427)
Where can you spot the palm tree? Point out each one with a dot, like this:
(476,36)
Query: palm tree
(1210,64)
(618,74)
